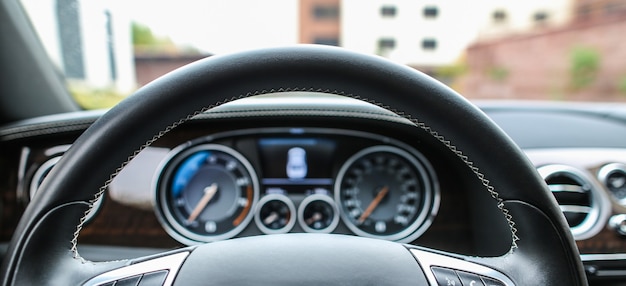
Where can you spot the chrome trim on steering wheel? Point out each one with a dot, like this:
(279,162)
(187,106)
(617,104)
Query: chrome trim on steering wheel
(170,264)
(428,260)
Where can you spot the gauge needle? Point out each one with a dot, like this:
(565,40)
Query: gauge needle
(372,206)
(209,192)
(315,217)
(271,218)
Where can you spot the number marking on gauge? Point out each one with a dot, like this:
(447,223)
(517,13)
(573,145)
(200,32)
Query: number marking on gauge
(246,209)
(210,226)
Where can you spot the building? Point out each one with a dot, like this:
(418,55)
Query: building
(597,10)
(505,17)
(90,44)
(585,59)
(319,22)
(427,34)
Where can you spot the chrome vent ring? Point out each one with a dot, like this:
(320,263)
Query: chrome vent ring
(579,198)
(613,177)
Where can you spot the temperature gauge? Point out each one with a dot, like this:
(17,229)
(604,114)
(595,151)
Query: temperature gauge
(275,214)
(318,213)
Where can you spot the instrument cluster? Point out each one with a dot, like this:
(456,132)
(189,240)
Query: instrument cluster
(295,180)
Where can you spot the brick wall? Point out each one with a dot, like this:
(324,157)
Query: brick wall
(538,65)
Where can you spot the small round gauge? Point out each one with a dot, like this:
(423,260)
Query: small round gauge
(207,193)
(275,214)
(318,214)
(385,192)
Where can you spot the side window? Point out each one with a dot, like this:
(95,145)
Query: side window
(385,46)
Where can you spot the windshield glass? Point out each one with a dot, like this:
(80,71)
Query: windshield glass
(534,49)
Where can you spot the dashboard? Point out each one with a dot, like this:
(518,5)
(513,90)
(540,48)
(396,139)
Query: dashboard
(357,170)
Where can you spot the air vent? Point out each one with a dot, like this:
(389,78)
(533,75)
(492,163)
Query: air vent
(40,175)
(577,196)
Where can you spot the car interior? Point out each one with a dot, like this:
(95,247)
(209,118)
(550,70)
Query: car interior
(303,164)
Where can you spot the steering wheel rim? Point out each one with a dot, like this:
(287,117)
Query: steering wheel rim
(543,250)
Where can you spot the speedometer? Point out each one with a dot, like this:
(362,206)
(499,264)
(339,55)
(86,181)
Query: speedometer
(206,193)
(386,192)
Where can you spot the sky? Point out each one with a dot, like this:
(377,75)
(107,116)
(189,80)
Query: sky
(244,24)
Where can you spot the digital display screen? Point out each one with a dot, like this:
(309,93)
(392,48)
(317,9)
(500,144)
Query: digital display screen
(296,161)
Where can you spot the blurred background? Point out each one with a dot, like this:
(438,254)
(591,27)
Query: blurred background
(496,49)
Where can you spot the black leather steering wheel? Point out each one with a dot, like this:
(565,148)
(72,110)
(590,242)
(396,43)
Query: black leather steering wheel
(43,248)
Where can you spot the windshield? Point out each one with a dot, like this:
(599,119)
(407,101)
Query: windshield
(534,49)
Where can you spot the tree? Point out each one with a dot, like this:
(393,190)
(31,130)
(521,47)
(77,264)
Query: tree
(144,41)
(142,35)
(584,65)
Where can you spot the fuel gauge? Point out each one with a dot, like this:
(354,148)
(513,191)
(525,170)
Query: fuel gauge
(275,214)
(318,213)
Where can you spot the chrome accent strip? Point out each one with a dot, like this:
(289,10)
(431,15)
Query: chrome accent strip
(575,209)
(55,154)
(605,273)
(603,257)
(559,188)
(171,263)
(40,174)
(21,173)
(57,150)
(430,259)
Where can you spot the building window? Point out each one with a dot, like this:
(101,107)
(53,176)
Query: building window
(540,17)
(429,44)
(499,16)
(326,12)
(386,43)
(431,12)
(388,11)
(385,46)
(329,41)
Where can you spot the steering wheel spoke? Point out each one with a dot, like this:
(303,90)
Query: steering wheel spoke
(447,269)
(304,259)
(158,270)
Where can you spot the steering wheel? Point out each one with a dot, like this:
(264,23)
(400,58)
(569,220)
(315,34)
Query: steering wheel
(543,252)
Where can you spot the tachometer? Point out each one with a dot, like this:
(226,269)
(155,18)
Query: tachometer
(206,193)
(386,192)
